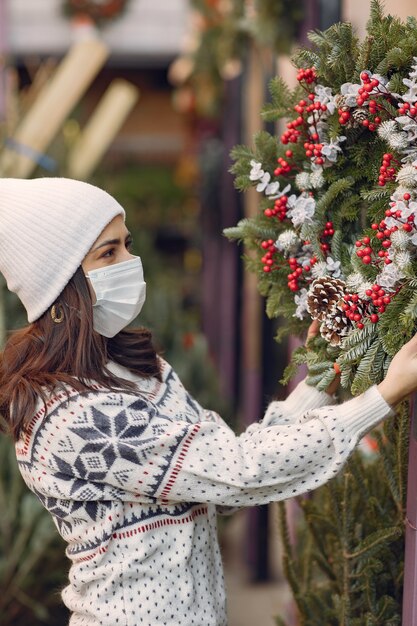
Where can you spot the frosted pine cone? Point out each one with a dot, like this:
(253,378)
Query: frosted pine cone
(324,294)
(359,115)
(335,326)
(341,102)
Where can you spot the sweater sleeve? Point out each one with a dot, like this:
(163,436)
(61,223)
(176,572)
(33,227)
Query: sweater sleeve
(124,443)
(301,399)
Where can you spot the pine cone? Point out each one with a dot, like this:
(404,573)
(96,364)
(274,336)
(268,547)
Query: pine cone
(335,326)
(340,102)
(324,294)
(359,115)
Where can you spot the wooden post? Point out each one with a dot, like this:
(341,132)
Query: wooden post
(55,102)
(102,127)
(3,51)
(410,566)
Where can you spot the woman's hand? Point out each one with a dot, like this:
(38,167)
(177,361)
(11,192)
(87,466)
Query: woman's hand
(401,378)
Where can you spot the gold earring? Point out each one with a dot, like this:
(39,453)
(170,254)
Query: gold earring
(57,314)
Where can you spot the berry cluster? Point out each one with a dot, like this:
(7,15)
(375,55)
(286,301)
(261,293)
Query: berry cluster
(279,210)
(386,171)
(327,232)
(408,109)
(284,167)
(268,258)
(369,86)
(365,250)
(307,75)
(313,150)
(344,115)
(297,272)
(358,310)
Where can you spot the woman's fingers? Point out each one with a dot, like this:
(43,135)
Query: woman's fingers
(313,330)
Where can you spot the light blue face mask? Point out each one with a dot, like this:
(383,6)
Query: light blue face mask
(120,294)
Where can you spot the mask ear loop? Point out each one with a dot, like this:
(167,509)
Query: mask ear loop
(57,314)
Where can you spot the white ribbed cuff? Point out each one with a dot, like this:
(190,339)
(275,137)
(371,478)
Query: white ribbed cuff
(305,397)
(359,415)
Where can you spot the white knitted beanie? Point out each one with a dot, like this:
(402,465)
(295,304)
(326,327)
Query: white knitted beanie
(47,226)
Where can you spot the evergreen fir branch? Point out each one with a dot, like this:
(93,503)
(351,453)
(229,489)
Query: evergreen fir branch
(282,101)
(380,195)
(337,188)
(249,229)
(370,368)
(359,349)
(375,542)
(386,463)
(306,58)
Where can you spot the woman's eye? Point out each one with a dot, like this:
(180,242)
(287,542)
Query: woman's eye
(108,254)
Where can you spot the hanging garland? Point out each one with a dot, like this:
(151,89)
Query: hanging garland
(98,10)
(336,236)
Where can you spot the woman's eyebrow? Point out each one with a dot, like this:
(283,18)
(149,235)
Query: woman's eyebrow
(111,242)
(108,242)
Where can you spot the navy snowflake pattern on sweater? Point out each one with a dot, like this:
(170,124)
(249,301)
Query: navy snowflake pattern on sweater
(133,482)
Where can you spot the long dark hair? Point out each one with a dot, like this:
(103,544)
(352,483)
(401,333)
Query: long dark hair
(47,355)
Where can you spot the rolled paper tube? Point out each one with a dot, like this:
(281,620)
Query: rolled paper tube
(54,103)
(102,128)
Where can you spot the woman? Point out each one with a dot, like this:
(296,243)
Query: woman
(131,468)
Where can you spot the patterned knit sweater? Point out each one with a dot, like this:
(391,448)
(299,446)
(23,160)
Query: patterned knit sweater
(133,481)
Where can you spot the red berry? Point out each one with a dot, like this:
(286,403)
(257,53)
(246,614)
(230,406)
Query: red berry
(374,318)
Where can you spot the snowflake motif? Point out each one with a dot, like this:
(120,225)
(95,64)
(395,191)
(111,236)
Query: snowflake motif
(109,437)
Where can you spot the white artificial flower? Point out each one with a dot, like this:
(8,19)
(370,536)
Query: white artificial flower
(362,289)
(390,276)
(390,222)
(319,269)
(350,92)
(302,181)
(411,94)
(383,82)
(275,193)
(287,241)
(402,259)
(330,150)
(333,267)
(272,189)
(354,280)
(387,128)
(264,182)
(316,178)
(400,240)
(407,175)
(398,141)
(256,172)
(325,96)
(302,209)
(300,300)
(398,194)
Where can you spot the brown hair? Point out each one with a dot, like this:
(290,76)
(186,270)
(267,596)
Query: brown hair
(47,355)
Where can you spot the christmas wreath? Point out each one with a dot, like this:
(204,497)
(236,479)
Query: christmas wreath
(336,234)
(97,10)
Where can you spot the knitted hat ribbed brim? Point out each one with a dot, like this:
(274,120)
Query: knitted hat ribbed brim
(47,226)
